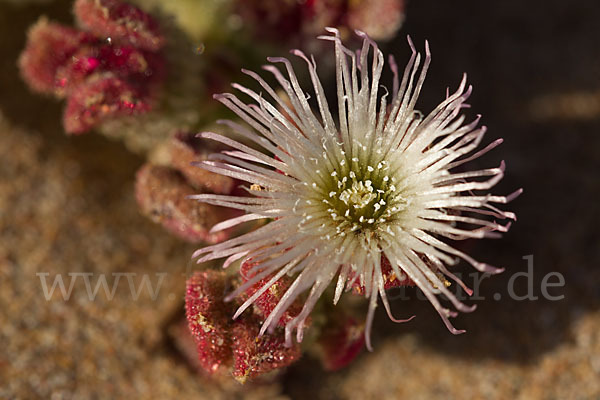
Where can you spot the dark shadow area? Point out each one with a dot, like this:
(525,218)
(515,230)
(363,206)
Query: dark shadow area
(516,53)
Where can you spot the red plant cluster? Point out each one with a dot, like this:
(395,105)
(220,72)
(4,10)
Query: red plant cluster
(342,339)
(267,301)
(284,20)
(111,67)
(162,191)
(224,345)
(227,345)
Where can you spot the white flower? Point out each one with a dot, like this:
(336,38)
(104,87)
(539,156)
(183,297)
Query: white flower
(340,197)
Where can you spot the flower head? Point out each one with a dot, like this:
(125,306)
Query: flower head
(349,200)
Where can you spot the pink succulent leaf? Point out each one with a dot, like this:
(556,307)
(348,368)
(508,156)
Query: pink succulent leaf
(162,194)
(256,355)
(209,319)
(120,22)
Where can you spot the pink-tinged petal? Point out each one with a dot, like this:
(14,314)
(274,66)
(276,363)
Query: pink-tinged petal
(390,279)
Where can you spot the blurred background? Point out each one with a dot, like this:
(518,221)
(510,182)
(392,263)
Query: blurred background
(68,203)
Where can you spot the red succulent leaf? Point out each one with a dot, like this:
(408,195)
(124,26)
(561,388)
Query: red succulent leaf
(209,318)
(379,19)
(84,62)
(101,79)
(186,149)
(119,21)
(162,194)
(254,355)
(101,98)
(267,302)
(49,47)
(341,341)
(271,18)
(128,61)
(138,67)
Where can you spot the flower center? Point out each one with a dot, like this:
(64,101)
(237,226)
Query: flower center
(359,195)
(356,204)
(352,196)
(360,198)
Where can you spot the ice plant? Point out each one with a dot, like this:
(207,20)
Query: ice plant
(160,192)
(112,68)
(119,21)
(345,200)
(285,21)
(340,341)
(226,345)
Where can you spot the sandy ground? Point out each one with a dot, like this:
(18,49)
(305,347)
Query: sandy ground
(67,205)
